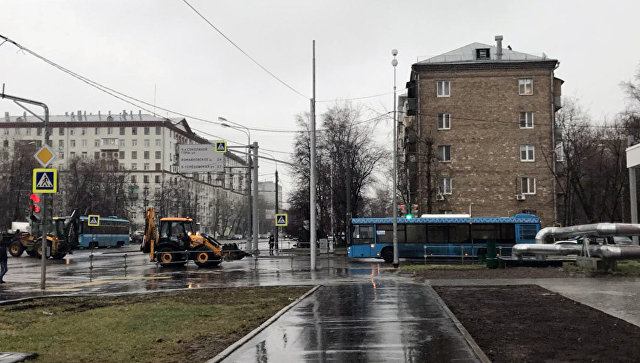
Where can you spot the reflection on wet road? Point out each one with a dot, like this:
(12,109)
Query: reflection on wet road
(382,321)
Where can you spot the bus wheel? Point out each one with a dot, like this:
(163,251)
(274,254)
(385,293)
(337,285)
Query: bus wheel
(387,254)
(120,244)
(16,249)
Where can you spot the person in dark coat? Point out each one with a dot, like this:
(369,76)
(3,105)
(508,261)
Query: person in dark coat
(271,241)
(3,259)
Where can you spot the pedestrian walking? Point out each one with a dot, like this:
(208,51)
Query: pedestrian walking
(3,259)
(271,241)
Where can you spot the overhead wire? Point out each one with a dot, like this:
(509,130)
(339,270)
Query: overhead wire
(243,52)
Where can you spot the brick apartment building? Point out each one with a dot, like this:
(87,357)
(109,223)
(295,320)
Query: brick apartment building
(477,132)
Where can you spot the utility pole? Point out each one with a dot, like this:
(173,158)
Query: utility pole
(347,223)
(276,227)
(43,221)
(312,172)
(254,148)
(394,63)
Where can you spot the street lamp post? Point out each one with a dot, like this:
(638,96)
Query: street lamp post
(225,123)
(394,63)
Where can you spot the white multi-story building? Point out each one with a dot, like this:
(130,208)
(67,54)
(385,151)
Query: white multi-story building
(146,148)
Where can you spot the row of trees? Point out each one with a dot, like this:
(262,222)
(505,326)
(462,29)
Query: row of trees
(346,159)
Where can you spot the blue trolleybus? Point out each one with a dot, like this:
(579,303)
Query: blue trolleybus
(112,232)
(439,235)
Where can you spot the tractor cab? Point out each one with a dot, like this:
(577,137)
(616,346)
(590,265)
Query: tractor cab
(177,231)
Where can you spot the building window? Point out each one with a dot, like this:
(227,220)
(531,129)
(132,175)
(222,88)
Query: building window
(482,53)
(158,142)
(147,142)
(109,130)
(83,131)
(444,186)
(158,130)
(559,152)
(72,143)
(134,142)
(122,131)
(145,178)
(158,167)
(133,178)
(134,155)
(526,86)
(158,154)
(146,131)
(71,132)
(61,155)
(60,144)
(84,142)
(444,153)
(84,154)
(61,131)
(134,166)
(121,166)
(444,89)
(527,153)
(134,131)
(121,154)
(72,155)
(39,131)
(526,120)
(96,155)
(528,185)
(146,166)
(146,155)
(444,121)
(157,179)
(96,143)
(97,130)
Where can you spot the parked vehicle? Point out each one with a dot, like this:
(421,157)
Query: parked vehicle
(137,236)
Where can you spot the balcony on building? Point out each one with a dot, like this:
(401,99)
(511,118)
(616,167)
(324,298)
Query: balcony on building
(109,144)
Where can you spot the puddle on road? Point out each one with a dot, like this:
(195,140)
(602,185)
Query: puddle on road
(77,287)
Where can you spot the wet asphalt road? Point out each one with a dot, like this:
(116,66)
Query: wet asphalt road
(379,321)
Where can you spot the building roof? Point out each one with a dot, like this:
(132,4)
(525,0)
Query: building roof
(100,117)
(467,54)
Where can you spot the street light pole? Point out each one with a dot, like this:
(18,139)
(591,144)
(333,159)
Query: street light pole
(394,63)
(224,123)
(312,172)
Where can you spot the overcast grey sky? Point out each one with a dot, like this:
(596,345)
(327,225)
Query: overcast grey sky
(134,46)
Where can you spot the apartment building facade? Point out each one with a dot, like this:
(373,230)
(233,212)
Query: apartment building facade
(145,147)
(478,134)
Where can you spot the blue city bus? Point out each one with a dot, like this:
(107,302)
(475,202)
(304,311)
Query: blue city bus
(112,232)
(439,235)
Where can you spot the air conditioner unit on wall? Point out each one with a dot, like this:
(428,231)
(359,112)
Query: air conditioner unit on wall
(439,196)
(520,197)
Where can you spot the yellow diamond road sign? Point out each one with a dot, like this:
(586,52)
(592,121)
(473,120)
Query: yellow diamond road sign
(44,156)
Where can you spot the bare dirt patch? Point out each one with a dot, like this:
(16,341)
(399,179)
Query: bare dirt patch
(498,273)
(531,324)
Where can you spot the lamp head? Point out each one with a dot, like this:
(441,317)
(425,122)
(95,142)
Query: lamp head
(394,52)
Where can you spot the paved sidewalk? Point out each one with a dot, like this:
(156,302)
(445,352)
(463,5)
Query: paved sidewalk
(379,321)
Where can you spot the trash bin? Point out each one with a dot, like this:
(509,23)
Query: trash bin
(492,259)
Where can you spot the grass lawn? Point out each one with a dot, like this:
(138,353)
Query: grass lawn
(175,326)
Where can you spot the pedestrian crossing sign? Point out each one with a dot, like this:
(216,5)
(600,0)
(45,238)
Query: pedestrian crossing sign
(282,220)
(93,220)
(45,181)
(221,146)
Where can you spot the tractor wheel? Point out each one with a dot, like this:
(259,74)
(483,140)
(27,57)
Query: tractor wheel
(205,258)
(16,249)
(168,257)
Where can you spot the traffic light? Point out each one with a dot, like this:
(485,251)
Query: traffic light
(402,210)
(34,208)
(414,209)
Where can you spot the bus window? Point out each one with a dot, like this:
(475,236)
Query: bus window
(507,233)
(528,231)
(459,233)
(485,232)
(437,233)
(362,234)
(416,233)
(385,233)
